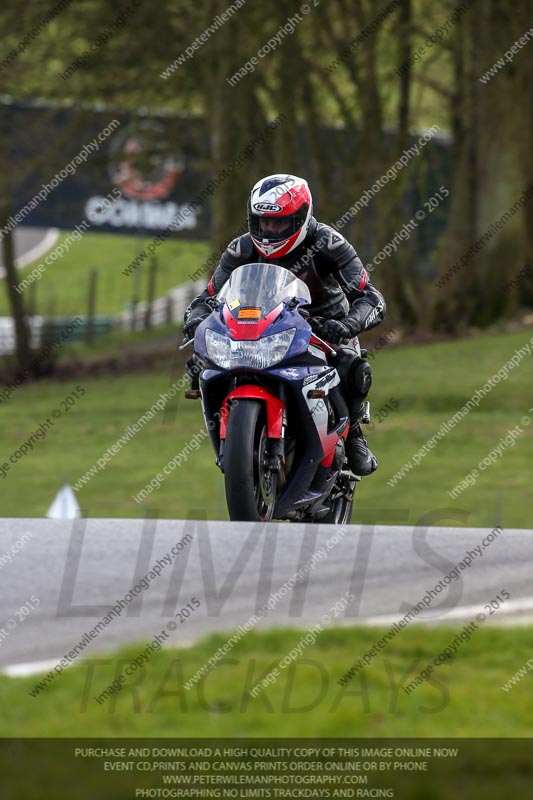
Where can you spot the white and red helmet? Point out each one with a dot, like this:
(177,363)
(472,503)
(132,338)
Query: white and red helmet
(282,198)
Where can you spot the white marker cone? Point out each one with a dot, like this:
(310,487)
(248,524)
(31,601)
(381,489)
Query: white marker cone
(65,505)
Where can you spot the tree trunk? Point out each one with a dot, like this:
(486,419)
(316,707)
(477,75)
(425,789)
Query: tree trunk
(22,331)
(404,33)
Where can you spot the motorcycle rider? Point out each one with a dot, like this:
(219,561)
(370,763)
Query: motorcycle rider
(283,231)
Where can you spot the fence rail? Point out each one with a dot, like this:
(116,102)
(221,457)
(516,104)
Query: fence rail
(7,334)
(163,310)
(170,308)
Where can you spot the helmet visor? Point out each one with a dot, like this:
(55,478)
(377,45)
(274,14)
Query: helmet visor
(274,228)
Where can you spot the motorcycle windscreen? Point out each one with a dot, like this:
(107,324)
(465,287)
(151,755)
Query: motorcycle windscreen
(259,288)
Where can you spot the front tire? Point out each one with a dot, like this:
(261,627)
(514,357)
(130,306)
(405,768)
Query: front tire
(250,486)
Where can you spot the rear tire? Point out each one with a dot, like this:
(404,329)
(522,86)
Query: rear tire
(341,508)
(250,487)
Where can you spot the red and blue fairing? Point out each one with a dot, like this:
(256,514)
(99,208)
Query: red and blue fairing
(257,344)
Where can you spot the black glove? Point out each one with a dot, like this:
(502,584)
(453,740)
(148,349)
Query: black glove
(315,323)
(335,331)
(190,326)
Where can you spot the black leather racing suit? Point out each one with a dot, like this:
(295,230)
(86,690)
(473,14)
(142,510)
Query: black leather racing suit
(325,261)
(339,286)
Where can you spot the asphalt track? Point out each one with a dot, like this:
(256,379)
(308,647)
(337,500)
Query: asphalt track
(78,571)
(31,244)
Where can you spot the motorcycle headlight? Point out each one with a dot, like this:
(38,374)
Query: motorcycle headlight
(258,354)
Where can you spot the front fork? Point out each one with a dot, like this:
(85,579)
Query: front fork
(276,413)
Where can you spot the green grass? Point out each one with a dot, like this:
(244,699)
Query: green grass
(430,383)
(305,700)
(63,287)
(116,342)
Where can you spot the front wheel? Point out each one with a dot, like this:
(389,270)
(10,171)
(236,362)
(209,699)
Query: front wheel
(250,485)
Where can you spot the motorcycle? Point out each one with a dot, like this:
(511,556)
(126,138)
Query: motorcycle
(272,403)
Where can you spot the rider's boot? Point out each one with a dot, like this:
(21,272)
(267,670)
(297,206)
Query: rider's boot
(361,460)
(356,377)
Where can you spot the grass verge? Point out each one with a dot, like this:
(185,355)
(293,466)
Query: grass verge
(64,286)
(462,697)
